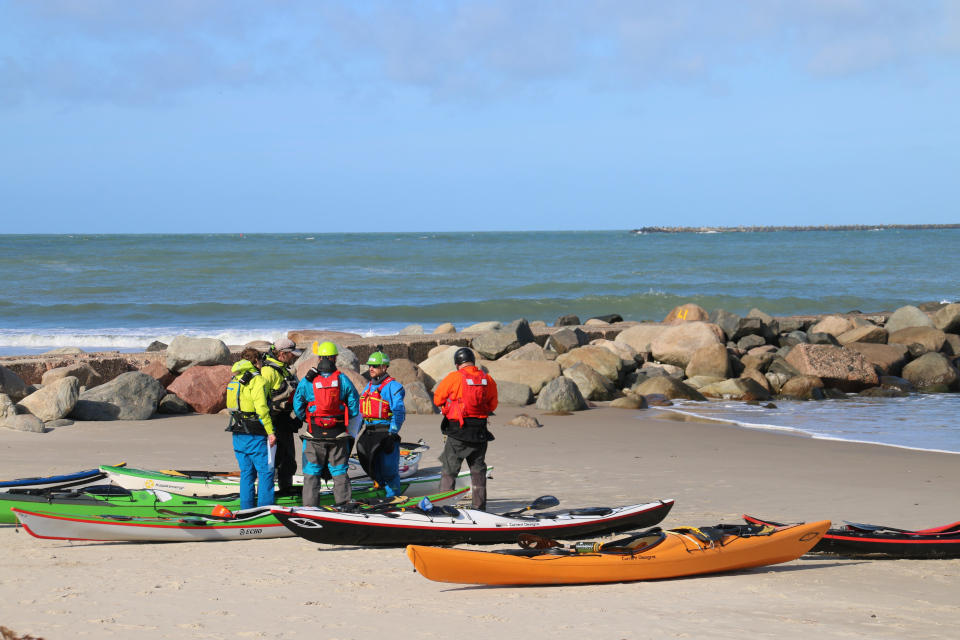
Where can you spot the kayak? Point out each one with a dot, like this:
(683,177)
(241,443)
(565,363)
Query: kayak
(454,526)
(650,555)
(201,483)
(110,499)
(77,479)
(868,539)
(248,524)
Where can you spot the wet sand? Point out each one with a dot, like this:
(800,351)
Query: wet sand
(291,588)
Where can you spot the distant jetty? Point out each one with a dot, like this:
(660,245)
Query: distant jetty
(826,227)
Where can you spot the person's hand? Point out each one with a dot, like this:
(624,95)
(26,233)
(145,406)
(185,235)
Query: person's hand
(271,440)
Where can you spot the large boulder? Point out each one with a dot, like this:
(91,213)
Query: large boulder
(678,343)
(709,360)
(592,385)
(513,394)
(11,385)
(630,402)
(406,371)
(10,419)
(159,372)
(918,340)
(82,371)
(172,404)
(531,351)
(746,343)
(745,389)
(759,378)
(803,386)
(932,369)
(307,337)
(889,357)
(566,340)
(947,319)
(687,313)
(54,401)
(651,369)
(203,388)
(906,317)
(561,394)
(493,344)
(839,368)
(417,400)
(446,327)
(480,327)
(603,361)
(129,396)
(347,359)
(185,352)
(412,330)
(641,336)
(734,327)
(535,374)
(569,320)
(866,333)
(627,354)
(759,361)
(834,325)
(669,387)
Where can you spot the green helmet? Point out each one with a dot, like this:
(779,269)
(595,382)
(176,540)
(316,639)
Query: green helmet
(325,349)
(378,359)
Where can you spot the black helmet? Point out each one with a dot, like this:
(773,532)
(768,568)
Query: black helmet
(463,355)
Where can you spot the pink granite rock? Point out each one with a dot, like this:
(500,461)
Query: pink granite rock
(687,313)
(839,368)
(203,388)
(678,343)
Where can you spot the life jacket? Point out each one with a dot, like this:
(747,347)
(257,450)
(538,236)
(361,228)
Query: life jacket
(281,397)
(327,415)
(372,405)
(242,421)
(475,395)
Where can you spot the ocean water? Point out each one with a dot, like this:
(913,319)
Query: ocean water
(120,292)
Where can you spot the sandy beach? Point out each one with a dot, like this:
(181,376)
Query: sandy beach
(290,588)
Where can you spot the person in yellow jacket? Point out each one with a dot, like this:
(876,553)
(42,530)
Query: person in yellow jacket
(252,430)
(281,383)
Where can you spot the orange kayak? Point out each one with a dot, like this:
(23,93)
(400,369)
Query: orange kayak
(661,554)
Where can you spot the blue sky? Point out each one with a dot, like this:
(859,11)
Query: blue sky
(232,116)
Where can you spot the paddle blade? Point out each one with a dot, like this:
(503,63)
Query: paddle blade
(530,541)
(544,502)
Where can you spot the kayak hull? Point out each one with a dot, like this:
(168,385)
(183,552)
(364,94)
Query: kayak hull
(419,484)
(860,540)
(252,524)
(467,526)
(64,481)
(676,556)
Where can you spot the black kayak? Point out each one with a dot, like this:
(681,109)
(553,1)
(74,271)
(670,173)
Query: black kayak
(868,540)
(331,525)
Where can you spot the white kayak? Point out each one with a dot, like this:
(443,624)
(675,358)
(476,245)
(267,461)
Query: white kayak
(248,524)
(207,485)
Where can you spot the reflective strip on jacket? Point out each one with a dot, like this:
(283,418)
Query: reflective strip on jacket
(304,396)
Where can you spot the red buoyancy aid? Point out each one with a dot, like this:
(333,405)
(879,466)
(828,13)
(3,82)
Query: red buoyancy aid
(372,405)
(475,395)
(327,411)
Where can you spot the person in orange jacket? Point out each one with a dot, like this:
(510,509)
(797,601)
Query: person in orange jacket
(466,397)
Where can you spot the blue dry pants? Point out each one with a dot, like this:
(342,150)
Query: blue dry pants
(251,452)
(386,470)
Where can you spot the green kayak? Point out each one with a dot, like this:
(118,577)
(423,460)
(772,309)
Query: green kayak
(108,499)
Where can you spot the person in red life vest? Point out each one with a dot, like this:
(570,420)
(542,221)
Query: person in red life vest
(329,405)
(381,405)
(466,397)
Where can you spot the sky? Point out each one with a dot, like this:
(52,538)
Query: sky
(239,116)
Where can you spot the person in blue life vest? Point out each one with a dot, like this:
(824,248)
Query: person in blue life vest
(381,405)
(252,429)
(281,383)
(329,405)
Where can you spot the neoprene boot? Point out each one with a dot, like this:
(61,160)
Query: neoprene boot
(478,487)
